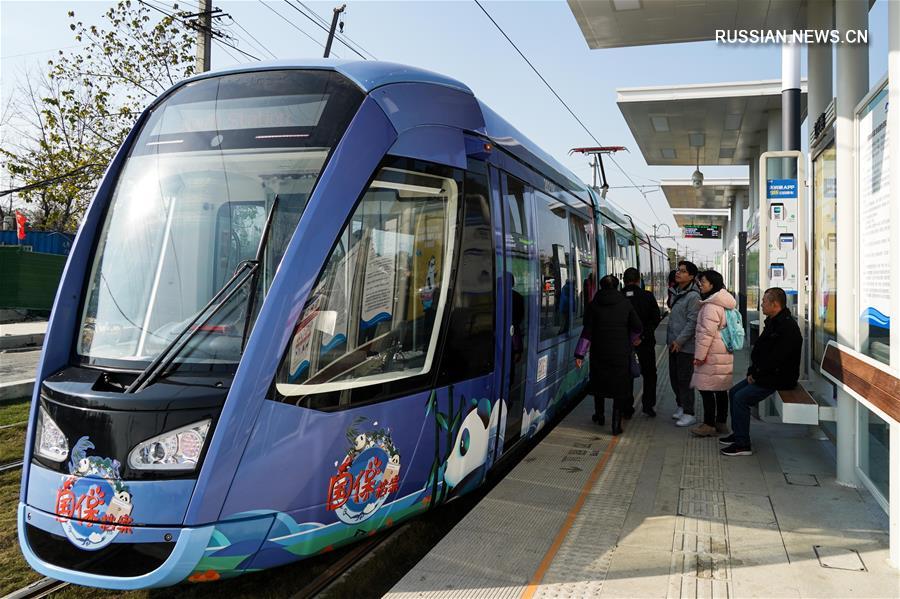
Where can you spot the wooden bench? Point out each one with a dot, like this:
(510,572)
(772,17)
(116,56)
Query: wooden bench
(796,406)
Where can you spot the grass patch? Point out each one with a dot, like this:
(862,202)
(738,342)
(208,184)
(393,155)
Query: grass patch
(14,572)
(12,444)
(11,413)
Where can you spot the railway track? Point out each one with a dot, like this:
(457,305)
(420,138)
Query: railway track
(11,466)
(356,554)
(40,588)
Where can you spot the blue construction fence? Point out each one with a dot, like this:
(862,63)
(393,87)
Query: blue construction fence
(43,242)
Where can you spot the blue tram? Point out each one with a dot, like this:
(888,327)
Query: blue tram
(308,301)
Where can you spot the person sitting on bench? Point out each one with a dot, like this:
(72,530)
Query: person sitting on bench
(774,365)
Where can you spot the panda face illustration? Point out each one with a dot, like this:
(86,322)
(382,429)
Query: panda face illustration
(469,449)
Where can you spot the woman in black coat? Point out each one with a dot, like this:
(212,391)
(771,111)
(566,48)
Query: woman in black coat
(611,322)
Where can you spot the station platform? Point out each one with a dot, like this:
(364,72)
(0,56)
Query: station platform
(656,512)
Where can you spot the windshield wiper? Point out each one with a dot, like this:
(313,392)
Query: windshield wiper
(260,250)
(245,271)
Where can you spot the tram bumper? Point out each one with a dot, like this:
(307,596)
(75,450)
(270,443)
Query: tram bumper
(173,551)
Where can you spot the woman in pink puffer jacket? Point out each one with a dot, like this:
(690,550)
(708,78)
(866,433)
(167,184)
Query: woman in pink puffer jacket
(713,364)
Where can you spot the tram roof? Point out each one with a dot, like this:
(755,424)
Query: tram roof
(372,74)
(367,74)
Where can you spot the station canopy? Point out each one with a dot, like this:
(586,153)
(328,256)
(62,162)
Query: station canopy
(708,205)
(726,123)
(620,23)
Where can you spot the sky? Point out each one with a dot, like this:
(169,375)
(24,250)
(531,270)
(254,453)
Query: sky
(457,39)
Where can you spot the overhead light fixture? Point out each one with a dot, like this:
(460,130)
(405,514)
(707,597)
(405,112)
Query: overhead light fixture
(668,153)
(697,176)
(660,123)
(697,140)
(732,122)
(620,5)
(726,153)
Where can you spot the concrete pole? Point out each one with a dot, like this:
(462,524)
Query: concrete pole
(893,135)
(754,182)
(204,36)
(790,96)
(818,62)
(852,85)
(773,144)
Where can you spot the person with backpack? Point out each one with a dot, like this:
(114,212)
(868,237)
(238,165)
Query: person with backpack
(680,339)
(713,362)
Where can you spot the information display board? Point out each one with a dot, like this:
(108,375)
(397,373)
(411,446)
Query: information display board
(702,231)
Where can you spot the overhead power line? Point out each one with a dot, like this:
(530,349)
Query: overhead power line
(563,102)
(291,23)
(258,43)
(216,36)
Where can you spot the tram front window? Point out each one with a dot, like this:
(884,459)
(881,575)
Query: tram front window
(191,204)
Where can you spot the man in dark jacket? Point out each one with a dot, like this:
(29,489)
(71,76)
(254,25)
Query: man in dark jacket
(774,365)
(610,321)
(647,309)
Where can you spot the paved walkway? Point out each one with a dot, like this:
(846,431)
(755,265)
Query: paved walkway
(659,513)
(22,334)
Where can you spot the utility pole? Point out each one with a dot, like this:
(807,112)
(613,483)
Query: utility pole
(334,23)
(204,36)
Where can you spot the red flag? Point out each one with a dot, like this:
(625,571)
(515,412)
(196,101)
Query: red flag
(20,225)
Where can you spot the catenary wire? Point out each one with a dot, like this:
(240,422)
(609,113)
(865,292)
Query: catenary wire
(292,24)
(326,29)
(561,101)
(341,36)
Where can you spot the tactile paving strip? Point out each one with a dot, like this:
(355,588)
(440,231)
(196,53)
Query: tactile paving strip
(701,565)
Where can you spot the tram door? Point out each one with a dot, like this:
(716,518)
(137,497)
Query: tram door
(518,291)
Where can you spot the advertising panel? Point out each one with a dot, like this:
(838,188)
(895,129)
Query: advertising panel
(874,229)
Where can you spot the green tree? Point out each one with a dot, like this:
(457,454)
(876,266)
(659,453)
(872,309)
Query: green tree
(75,115)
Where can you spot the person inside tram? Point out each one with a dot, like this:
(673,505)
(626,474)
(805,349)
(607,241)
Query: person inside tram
(610,321)
(774,365)
(670,289)
(647,309)
(713,363)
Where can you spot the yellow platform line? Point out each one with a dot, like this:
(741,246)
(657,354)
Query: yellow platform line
(529,591)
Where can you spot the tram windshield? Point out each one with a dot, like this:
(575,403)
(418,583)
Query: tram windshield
(190,206)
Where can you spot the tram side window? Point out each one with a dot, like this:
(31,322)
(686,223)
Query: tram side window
(553,248)
(584,276)
(469,349)
(612,252)
(372,317)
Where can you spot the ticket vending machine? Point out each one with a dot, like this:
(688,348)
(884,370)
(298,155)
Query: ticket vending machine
(782,230)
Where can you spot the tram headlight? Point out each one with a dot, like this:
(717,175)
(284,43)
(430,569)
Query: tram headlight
(176,450)
(51,442)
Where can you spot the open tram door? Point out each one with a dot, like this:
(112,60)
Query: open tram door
(518,274)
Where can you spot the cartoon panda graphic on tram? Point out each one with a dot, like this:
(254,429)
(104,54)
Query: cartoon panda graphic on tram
(474,446)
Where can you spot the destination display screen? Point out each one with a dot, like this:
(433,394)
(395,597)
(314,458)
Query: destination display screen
(702,231)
